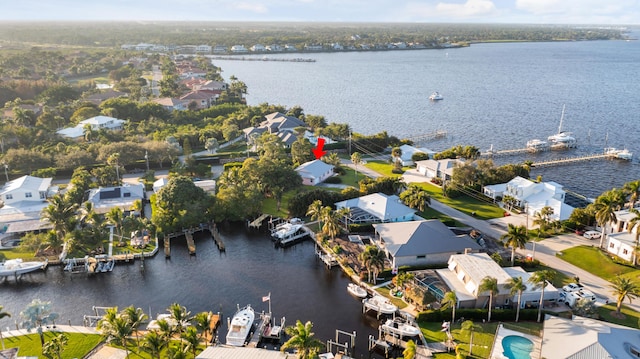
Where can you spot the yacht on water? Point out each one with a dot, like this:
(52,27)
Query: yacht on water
(436,96)
(623,154)
(537,145)
(562,140)
(16,267)
(240,326)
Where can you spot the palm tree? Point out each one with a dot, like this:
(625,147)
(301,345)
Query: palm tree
(301,339)
(416,197)
(489,284)
(344,213)
(470,327)
(396,153)
(54,347)
(516,285)
(542,218)
(315,211)
(450,300)
(331,225)
(37,314)
(635,223)
(191,337)
(605,207)
(540,279)
(3,315)
(624,288)
(180,315)
(61,214)
(115,216)
(356,159)
(202,321)
(153,343)
(410,351)
(136,317)
(373,259)
(516,237)
(632,189)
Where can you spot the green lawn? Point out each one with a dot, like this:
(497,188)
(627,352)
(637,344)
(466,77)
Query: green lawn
(384,168)
(594,261)
(349,178)
(631,317)
(466,204)
(78,346)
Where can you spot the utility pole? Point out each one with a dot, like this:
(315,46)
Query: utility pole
(6,174)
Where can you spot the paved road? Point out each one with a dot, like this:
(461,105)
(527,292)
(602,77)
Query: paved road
(545,250)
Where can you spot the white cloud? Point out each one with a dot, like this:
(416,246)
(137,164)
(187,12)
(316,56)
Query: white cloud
(251,7)
(471,8)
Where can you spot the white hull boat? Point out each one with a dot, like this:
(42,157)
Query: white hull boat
(380,304)
(356,290)
(240,326)
(562,140)
(537,145)
(400,327)
(16,267)
(436,96)
(621,154)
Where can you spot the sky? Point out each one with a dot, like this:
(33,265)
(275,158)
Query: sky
(602,12)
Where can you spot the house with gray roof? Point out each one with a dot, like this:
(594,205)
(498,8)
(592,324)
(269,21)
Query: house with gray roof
(314,172)
(376,208)
(408,151)
(420,242)
(581,337)
(106,198)
(442,169)
(277,123)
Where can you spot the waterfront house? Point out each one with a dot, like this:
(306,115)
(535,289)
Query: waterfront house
(219,49)
(275,123)
(465,272)
(408,152)
(96,123)
(258,48)
(377,208)
(203,49)
(23,200)
(239,49)
(418,243)
(533,196)
(200,99)
(105,198)
(314,172)
(442,169)
(580,337)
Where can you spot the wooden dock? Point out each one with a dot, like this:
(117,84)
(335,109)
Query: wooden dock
(257,223)
(562,161)
(514,151)
(167,247)
(428,136)
(214,323)
(191,244)
(329,260)
(257,334)
(215,234)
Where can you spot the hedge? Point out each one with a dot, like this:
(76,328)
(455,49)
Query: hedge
(478,315)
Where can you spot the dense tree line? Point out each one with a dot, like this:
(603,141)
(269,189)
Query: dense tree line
(114,34)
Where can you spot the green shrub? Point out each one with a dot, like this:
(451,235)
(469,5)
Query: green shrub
(361,228)
(333,179)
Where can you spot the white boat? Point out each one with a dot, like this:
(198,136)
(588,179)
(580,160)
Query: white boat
(356,290)
(17,267)
(624,154)
(436,96)
(537,145)
(400,327)
(240,326)
(380,304)
(288,232)
(563,139)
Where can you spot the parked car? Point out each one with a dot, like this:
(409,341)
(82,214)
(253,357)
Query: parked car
(592,234)
(572,287)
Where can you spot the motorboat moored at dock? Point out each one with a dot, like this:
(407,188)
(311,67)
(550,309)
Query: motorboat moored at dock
(240,326)
(17,267)
(379,304)
(400,327)
(356,290)
(624,154)
(537,145)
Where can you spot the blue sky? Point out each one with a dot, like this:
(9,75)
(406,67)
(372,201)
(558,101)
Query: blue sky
(605,12)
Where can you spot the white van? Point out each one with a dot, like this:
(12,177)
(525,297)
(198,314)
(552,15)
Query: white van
(592,234)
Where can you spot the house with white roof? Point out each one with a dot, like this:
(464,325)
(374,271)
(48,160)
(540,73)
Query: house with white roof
(465,272)
(533,196)
(238,49)
(314,172)
(420,242)
(407,153)
(23,200)
(96,123)
(581,337)
(376,208)
(620,241)
(442,169)
(106,198)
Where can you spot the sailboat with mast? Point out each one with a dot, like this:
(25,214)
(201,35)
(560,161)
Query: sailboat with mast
(563,139)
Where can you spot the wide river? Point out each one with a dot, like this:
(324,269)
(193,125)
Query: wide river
(494,94)
(501,94)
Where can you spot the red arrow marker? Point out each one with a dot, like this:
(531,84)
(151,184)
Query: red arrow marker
(318,152)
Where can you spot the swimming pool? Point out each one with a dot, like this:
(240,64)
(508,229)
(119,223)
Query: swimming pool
(517,347)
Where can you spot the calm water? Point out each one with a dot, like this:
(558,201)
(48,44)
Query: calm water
(494,94)
(300,286)
(500,94)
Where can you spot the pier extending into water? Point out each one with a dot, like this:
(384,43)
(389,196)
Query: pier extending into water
(434,135)
(562,161)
